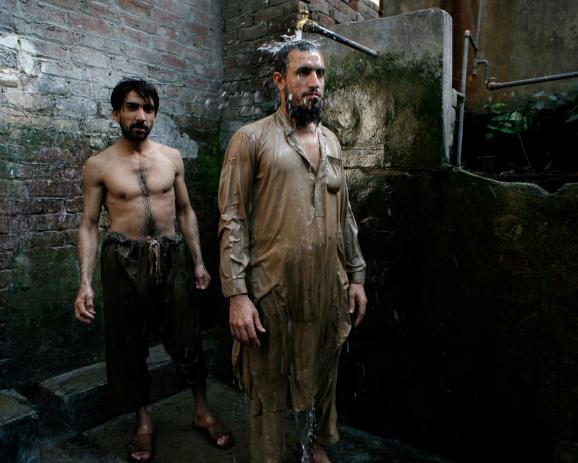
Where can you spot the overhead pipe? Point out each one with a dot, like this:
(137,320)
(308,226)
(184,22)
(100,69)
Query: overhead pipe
(493,85)
(305,24)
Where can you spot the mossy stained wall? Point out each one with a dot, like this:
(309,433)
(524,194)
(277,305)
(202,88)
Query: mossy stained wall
(470,339)
(60,62)
(469,346)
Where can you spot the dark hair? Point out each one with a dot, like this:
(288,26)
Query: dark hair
(144,89)
(281,60)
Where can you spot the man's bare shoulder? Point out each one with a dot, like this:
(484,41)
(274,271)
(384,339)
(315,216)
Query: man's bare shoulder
(94,166)
(167,151)
(171,154)
(103,157)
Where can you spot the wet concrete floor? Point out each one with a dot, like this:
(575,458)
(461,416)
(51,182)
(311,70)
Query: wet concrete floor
(176,442)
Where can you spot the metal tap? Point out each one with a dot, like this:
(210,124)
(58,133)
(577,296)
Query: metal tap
(304,20)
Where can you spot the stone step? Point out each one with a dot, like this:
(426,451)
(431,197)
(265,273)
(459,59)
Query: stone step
(78,397)
(19,441)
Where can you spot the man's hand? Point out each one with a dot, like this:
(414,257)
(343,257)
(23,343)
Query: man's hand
(83,305)
(202,276)
(244,320)
(357,297)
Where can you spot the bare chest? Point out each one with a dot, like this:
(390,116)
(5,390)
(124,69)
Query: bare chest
(139,178)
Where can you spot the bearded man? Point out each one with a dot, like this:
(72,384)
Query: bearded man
(141,184)
(291,265)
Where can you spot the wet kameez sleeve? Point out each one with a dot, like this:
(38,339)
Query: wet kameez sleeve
(354,262)
(235,204)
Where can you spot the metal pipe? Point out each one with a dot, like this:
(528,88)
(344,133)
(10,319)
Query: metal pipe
(476,43)
(308,25)
(472,41)
(338,38)
(467,38)
(492,85)
(479,22)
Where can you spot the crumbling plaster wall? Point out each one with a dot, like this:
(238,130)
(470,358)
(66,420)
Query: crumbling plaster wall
(59,61)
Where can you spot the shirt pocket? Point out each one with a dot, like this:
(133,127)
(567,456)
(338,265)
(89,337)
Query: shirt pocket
(334,174)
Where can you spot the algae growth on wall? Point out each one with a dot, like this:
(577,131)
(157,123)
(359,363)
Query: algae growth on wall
(469,340)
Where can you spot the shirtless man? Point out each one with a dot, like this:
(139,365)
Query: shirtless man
(141,185)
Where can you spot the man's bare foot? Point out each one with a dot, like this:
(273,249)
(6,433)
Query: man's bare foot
(319,455)
(214,430)
(140,447)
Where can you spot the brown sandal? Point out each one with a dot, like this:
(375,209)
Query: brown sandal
(141,443)
(215,431)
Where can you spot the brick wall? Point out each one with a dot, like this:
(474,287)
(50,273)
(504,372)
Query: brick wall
(59,61)
(248,93)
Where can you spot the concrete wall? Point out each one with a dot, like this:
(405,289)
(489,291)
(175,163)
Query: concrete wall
(60,60)
(469,345)
(520,38)
(394,111)
(524,39)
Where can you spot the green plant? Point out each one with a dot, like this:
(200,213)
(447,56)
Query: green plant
(514,122)
(531,118)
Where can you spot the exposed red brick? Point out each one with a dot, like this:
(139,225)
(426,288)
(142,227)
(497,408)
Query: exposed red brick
(87,23)
(58,189)
(166,17)
(166,45)
(173,61)
(45,14)
(136,6)
(142,24)
(133,35)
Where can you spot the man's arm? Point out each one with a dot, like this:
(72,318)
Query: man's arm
(87,246)
(188,225)
(355,267)
(354,262)
(235,204)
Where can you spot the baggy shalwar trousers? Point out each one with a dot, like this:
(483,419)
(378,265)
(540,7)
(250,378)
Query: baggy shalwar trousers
(145,293)
(268,425)
(271,375)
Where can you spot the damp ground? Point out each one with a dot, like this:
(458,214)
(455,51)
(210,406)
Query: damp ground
(176,442)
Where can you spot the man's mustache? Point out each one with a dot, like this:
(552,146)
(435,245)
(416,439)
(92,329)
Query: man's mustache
(139,125)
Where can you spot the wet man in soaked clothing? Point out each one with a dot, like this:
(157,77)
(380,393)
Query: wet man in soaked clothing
(141,185)
(291,265)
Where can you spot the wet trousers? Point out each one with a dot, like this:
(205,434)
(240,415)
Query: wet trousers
(269,442)
(145,294)
(295,368)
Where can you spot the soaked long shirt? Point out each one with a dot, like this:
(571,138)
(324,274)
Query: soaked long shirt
(289,239)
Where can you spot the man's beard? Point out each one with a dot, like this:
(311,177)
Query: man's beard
(304,114)
(131,135)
